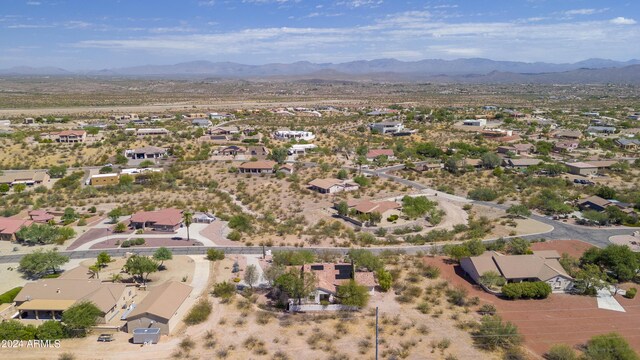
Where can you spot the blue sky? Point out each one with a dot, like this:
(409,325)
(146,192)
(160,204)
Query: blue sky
(96,34)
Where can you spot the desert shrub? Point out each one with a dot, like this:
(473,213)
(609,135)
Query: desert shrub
(561,352)
(198,313)
(493,334)
(126,244)
(514,353)
(457,296)
(431,272)
(487,309)
(609,347)
(631,293)
(138,241)
(224,290)
(483,194)
(527,290)
(234,235)
(392,218)
(213,255)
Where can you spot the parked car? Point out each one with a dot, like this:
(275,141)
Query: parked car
(176,238)
(105,338)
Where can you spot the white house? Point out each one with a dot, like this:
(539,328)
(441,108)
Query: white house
(475,122)
(331,186)
(287,135)
(385,127)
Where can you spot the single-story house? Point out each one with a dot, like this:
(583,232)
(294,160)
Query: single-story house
(40,216)
(517,149)
(628,144)
(374,153)
(257,167)
(202,123)
(293,135)
(150,131)
(384,208)
(147,152)
(104,179)
(168,220)
(594,203)
(331,276)
(330,186)
(10,226)
(159,308)
(233,150)
(582,168)
(224,130)
(287,169)
(520,163)
(301,149)
(47,299)
(427,167)
(28,178)
(568,134)
(475,122)
(567,146)
(539,266)
(601,130)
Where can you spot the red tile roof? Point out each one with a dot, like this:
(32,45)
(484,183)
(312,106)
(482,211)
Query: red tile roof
(170,217)
(378,152)
(11,226)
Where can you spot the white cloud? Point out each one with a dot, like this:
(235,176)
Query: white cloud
(34,3)
(584,11)
(206,3)
(622,21)
(360,3)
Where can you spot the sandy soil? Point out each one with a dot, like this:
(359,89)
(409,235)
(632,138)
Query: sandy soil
(574,248)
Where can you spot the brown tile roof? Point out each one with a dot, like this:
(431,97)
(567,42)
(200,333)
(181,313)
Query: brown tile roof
(378,152)
(9,178)
(262,165)
(103,295)
(162,301)
(72,132)
(331,276)
(150,150)
(171,217)
(11,226)
(325,183)
(542,265)
(597,200)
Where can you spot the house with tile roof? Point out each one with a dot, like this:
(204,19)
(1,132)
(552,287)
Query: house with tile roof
(329,277)
(9,227)
(539,266)
(331,186)
(47,299)
(159,308)
(257,167)
(166,220)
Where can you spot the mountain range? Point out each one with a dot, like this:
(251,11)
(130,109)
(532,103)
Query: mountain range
(474,70)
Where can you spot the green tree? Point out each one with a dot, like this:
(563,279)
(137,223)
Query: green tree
(57,172)
(606,192)
(342,174)
(519,210)
(619,260)
(385,279)
(50,330)
(70,215)
(279,155)
(187,219)
(15,330)
(519,246)
(293,257)
(417,206)
(126,180)
(365,259)
(4,188)
(251,275)
(114,215)
(162,254)
(483,194)
(375,218)
(103,259)
(38,234)
(80,317)
(121,159)
(39,262)
(106,170)
(494,334)
(490,160)
(140,266)
(492,279)
(590,279)
(297,284)
(273,272)
(343,208)
(610,346)
(353,294)
(146,164)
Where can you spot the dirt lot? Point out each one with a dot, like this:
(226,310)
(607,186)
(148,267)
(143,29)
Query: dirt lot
(561,318)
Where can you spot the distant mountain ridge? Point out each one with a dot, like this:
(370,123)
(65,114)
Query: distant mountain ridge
(462,70)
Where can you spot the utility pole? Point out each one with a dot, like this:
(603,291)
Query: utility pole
(376,333)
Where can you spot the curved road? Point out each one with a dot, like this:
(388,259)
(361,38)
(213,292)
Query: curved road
(595,236)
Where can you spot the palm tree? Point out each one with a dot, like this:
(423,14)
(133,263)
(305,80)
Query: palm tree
(187,218)
(95,271)
(116,278)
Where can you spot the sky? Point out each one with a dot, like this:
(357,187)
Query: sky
(99,34)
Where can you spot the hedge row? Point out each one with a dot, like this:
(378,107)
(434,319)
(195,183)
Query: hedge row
(8,297)
(527,290)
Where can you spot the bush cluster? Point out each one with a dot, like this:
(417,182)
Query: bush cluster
(527,290)
(631,293)
(133,242)
(8,297)
(198,313)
